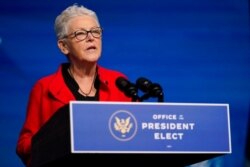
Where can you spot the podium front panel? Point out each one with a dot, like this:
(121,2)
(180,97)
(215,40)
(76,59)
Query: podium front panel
(145,127)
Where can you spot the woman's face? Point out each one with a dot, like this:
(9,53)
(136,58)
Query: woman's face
(84,41)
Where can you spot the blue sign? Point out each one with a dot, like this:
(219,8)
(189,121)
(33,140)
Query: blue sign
(145,127)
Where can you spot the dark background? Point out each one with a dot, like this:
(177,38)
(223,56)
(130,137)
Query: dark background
(198,50)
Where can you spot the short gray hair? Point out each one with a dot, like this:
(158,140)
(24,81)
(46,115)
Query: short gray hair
(62,20)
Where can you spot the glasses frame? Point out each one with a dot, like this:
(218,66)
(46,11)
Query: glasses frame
(91,31)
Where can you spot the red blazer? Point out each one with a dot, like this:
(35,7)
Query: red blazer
(49,94)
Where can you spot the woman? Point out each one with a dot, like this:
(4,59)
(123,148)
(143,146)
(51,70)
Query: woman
(79,37)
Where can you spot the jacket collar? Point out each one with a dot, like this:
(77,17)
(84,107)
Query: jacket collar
(59,89)
(61,92)
(102,77)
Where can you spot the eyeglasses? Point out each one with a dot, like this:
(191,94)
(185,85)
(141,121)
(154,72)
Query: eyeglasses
(80,35)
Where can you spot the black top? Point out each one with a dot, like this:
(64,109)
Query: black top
(74,87)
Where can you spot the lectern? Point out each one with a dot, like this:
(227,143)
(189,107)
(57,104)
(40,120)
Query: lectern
(124,132)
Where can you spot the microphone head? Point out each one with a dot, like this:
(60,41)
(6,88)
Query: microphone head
(143,84)
(156,90)
(127,87)
(122,83)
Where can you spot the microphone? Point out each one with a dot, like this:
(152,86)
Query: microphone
(128,88)
(150,89)
(143,84)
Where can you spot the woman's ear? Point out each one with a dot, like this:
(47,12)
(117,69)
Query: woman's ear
(63,46)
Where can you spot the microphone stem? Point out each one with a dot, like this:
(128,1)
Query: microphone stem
(161,98)
(136,98)
(145,97)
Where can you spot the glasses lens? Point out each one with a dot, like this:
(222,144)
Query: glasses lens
(96,32)
(81,35)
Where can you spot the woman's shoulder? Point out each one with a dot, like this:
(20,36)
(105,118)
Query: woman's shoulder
(109,72)
(47,79)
